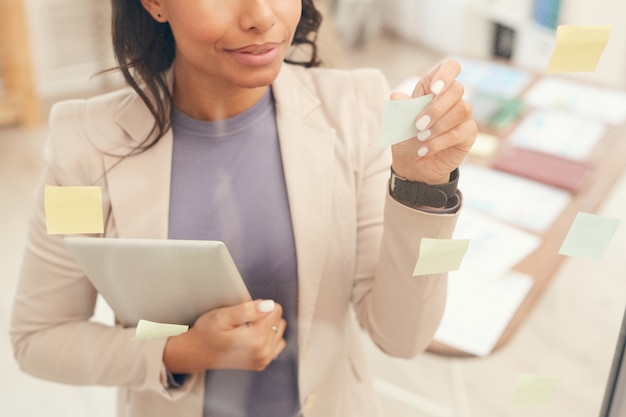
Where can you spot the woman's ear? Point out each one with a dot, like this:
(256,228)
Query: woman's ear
(155,8)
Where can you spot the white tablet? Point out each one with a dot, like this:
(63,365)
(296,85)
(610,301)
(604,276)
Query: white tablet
(167,281)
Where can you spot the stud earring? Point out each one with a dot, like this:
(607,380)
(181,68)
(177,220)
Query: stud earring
(159,15)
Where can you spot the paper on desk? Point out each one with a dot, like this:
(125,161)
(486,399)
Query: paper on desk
(598,103)
(440,255)
(589,236)
(488,77)
(73,210)
(399,118)
(485,294)
(578,48)
(485,145)
(559,133)
(149,329)
(516,200)
(479,308)
(535,389)
(495,247)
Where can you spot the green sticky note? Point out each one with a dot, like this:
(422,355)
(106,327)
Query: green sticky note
(589,236)
(399,117)
(440,255)
(534,389)
(73,210)
(578,48)
(149,329)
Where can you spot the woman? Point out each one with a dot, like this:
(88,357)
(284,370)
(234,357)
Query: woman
(220,137)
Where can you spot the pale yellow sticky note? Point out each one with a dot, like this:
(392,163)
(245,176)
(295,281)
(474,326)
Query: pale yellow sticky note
(73,210)
(440,255)
(534,389)
(578,48)
(149,329)
(399,117)
(485,145)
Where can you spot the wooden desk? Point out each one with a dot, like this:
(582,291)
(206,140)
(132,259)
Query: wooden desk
(608,160)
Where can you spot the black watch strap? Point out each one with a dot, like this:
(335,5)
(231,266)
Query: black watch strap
(418,194)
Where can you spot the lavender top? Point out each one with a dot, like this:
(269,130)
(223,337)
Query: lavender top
(228,184)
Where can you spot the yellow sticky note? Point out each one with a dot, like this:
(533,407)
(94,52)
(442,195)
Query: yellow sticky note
(149,329)
(578,48)
(399,117)
(485,145)
(534,389)
(73,210)
(440,255)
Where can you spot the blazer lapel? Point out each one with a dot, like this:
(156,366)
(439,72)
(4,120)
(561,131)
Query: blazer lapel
(307,148)
(139,185)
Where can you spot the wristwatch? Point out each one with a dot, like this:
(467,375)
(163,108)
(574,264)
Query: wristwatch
(418,194)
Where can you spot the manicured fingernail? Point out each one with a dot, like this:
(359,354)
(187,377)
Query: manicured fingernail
(437,87)
(266,306)
(422,123)
(422,151)
(423,135)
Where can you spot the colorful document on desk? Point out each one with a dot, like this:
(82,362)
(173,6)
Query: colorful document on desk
(592,102)
(559,133)
(494,247)
(488,77)
(516,200)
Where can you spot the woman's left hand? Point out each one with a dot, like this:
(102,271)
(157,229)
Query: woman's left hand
(446,130)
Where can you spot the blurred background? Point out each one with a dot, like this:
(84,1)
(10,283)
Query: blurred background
(51,50)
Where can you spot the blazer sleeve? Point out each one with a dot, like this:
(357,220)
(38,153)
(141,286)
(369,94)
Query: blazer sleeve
(401,312)
(52,332)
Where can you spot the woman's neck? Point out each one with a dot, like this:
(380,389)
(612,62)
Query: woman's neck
(213,101)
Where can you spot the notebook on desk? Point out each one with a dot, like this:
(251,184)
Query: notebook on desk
(549,169)
(166,281)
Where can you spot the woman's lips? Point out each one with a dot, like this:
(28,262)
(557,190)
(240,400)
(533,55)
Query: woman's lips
(256,55)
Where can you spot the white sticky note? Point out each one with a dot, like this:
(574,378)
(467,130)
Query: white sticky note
(149,329)
(589,236)
(399,118)
(440,255)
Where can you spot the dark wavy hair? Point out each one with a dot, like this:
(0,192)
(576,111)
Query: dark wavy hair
(145,48)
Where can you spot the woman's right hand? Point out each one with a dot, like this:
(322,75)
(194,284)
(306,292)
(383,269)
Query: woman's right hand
(246,336)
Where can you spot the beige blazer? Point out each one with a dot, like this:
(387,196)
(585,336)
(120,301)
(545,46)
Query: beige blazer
(354,262)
